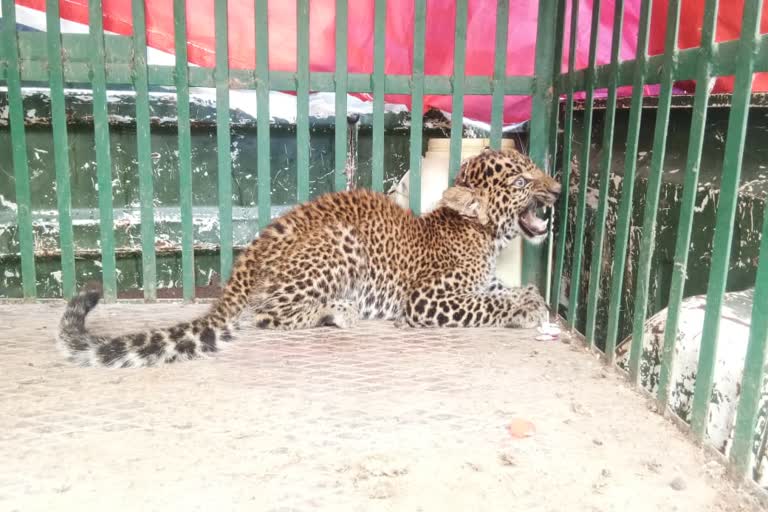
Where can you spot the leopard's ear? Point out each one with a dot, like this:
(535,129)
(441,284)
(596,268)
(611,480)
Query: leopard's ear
(466,202)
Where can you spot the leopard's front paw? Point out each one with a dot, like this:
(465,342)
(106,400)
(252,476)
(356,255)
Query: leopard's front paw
(531,310)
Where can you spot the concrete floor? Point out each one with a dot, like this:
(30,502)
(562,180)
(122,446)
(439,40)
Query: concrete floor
(367,419)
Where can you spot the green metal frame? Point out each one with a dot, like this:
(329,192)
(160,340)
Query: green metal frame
(742,58)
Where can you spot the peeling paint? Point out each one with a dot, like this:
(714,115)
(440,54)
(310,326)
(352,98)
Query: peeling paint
(5,203)
(730,358)
(748,222)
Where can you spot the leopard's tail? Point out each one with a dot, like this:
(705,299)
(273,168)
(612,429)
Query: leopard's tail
(153,347)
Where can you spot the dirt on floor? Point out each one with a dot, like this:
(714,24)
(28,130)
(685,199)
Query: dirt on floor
(368,419)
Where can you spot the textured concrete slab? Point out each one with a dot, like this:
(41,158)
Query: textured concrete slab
(372,418)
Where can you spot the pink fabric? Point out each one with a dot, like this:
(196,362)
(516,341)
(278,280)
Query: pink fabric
(399,48)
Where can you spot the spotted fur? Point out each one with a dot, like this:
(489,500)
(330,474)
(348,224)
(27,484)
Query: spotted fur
(356,255)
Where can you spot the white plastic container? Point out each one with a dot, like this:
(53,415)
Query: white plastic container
(434,181)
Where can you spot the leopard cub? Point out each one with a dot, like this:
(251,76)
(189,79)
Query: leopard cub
(357,255)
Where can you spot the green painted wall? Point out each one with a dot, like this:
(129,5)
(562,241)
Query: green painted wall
(166,185)
(749,216)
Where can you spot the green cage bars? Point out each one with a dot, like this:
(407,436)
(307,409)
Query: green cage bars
(97,59)
(741,58)
(102,61)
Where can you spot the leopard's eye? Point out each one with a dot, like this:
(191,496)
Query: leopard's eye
(519,182)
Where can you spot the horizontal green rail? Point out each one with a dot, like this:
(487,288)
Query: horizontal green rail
(723,64)
(33,60)
(98,61)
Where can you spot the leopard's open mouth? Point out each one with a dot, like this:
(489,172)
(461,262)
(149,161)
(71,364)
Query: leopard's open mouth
(531,224)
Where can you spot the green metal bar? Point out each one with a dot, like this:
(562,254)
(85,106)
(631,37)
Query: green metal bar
(342,80)
(499,72)
(754,366)
(19,152)
(648,239)
(557,62)
(34,67)
(223,137)
(566,165)
(723,64)
(457,103)
(593,293)
(628,184)
(33,64)
(103,154)
(417,104)
(542,85)
(534,256)
(554,125)
(144,151)
(581,206)
(726,209)
(185,149)
(302,101)
(379,49)
(60,149)
(688,201)
(264,190)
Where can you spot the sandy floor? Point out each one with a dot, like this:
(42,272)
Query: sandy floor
(368,419)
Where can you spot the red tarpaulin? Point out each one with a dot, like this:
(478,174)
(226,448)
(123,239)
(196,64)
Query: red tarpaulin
(399,47)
